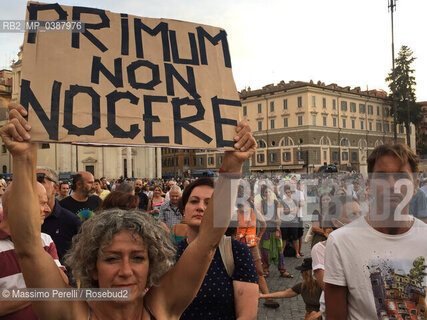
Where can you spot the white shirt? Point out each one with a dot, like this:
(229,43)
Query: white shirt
(318,256)
(375,268)
(298,196)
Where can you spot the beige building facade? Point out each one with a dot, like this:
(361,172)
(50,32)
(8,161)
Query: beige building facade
(299,126)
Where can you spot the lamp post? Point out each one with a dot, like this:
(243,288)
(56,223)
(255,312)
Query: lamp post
(392,7)
(306,159)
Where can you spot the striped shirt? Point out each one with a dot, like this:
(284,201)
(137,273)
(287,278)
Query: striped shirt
(10,271)
(169,214)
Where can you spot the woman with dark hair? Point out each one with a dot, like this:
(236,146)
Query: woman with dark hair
(216,298)
(317,223)
(291,221)
(116,249)
(121,200)
(271,241)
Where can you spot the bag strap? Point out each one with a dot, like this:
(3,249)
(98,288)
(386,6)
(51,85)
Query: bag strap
(226,252)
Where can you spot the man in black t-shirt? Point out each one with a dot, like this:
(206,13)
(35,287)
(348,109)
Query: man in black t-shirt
(143,198)
(81,202)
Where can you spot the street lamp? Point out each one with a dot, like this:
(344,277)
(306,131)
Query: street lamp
(392,7)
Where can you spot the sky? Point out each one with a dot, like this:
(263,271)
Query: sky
(346,42)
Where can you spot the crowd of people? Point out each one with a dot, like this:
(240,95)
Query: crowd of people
(164,239)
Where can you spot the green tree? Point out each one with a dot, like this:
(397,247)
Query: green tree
(404,90)
(418,272)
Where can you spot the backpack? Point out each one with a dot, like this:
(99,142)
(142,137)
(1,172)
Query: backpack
(226,252)
(289,250)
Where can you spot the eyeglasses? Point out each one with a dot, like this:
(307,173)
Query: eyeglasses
(41,176)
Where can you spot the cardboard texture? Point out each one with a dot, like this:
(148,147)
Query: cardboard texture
(128,80)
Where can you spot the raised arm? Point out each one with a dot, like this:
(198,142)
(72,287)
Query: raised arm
(180,285)
(288,293)
(38,268)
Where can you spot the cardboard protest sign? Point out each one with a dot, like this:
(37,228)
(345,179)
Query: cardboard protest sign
(127,80)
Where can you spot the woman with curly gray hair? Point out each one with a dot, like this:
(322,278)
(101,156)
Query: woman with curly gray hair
(98,233)
(116,249)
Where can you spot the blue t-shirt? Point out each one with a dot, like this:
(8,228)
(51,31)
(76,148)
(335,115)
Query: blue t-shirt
(215,299)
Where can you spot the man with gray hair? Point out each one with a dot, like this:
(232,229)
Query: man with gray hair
(61,224)
(11,276)
(170,184)
(169,212)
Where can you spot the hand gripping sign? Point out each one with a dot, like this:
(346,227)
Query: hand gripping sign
(127,80)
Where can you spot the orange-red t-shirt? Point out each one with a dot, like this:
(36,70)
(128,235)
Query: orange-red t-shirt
(247,228)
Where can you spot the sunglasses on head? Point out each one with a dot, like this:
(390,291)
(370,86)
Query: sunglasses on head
(41,176)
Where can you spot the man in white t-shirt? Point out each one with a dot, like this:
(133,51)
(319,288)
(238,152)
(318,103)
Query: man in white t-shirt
(375,266)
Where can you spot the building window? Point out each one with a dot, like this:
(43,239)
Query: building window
(378,110)
(386,127)
(259,125)
(259,108)
(313,119)
(325,155)
(286,156)
(379,127)
(324,103)
(324,121)
(334,104)
(260,157)
(401,129)
(386,112)
(4,169)
(335,156)
(354,157)
(272,123)
(210,160)
(353,123)
(334,121)
(273,157)
(287,141)
(345,156)
(285,122)
(245,111)
(300,155)
(370,109)
(271,106)
(299,99)
(324,141)
(285,104)
(220,160)
(261,144)
(352,107)
(186,162)
(362,125)
(45,146)
(201,161)
(3,148)
(344,123)
(370,125)
(300,120)
(345,142)
(313,101)
(343,105)
(362,108)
